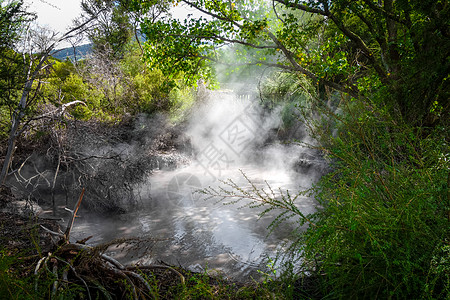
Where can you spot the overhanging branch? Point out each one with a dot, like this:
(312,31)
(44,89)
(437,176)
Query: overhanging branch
(352,91)
(346,31)
(293,66)
(225,39)
(302,7)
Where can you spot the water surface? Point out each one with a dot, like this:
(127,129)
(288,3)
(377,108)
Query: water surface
(196,233)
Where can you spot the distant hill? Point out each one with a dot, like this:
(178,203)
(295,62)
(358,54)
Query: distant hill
(81,52)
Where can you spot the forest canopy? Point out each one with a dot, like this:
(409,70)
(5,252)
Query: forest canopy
(360,48)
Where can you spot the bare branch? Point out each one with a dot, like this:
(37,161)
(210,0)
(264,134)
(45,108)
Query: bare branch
(52,232)
(74,215)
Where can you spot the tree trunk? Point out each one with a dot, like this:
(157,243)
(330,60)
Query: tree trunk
(10,151)
(16,118)
(18,115)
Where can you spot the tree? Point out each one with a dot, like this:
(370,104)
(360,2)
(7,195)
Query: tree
(115,67)
(12,18)
(111,29)
(38,46)
(115,23)
(358,48)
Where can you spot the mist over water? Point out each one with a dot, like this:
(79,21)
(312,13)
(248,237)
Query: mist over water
(230,135)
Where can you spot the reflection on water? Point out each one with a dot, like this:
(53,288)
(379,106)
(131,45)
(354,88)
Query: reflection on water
(196,233)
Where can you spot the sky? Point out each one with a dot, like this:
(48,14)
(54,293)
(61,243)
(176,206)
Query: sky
(56,14)
(59,14)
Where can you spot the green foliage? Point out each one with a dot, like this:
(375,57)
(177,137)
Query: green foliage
(62,69)
(287,92)
(64,86)
(12,286)
(182,100)
(203,286)
(11,78)
(169,47)
(111,88)
(438,276)
(198,287)
(191,46)
(385,206)
(12,19)
(150,96)
(382,223)
(150,90)
(11,84)
(111,28)
(349,46)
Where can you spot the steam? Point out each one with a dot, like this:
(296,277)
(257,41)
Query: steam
(226,133)
(232,132)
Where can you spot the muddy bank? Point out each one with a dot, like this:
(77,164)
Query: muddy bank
(24,235)
(40,256)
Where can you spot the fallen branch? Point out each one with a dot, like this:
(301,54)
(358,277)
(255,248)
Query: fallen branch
(42,261)
(112,261)
(92,268)
(52,232)
(74,215)
(130,282)
(76,275)
(143,281)
(59,110)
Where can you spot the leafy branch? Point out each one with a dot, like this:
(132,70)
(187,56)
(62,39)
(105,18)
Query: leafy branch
(261,197)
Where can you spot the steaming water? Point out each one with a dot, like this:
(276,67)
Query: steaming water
(228,135)
(199,234)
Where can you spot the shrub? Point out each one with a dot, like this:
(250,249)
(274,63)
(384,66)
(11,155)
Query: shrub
(384,225)
(11,285)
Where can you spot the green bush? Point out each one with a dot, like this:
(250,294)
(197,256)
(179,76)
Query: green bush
(384,228)
(181,99)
